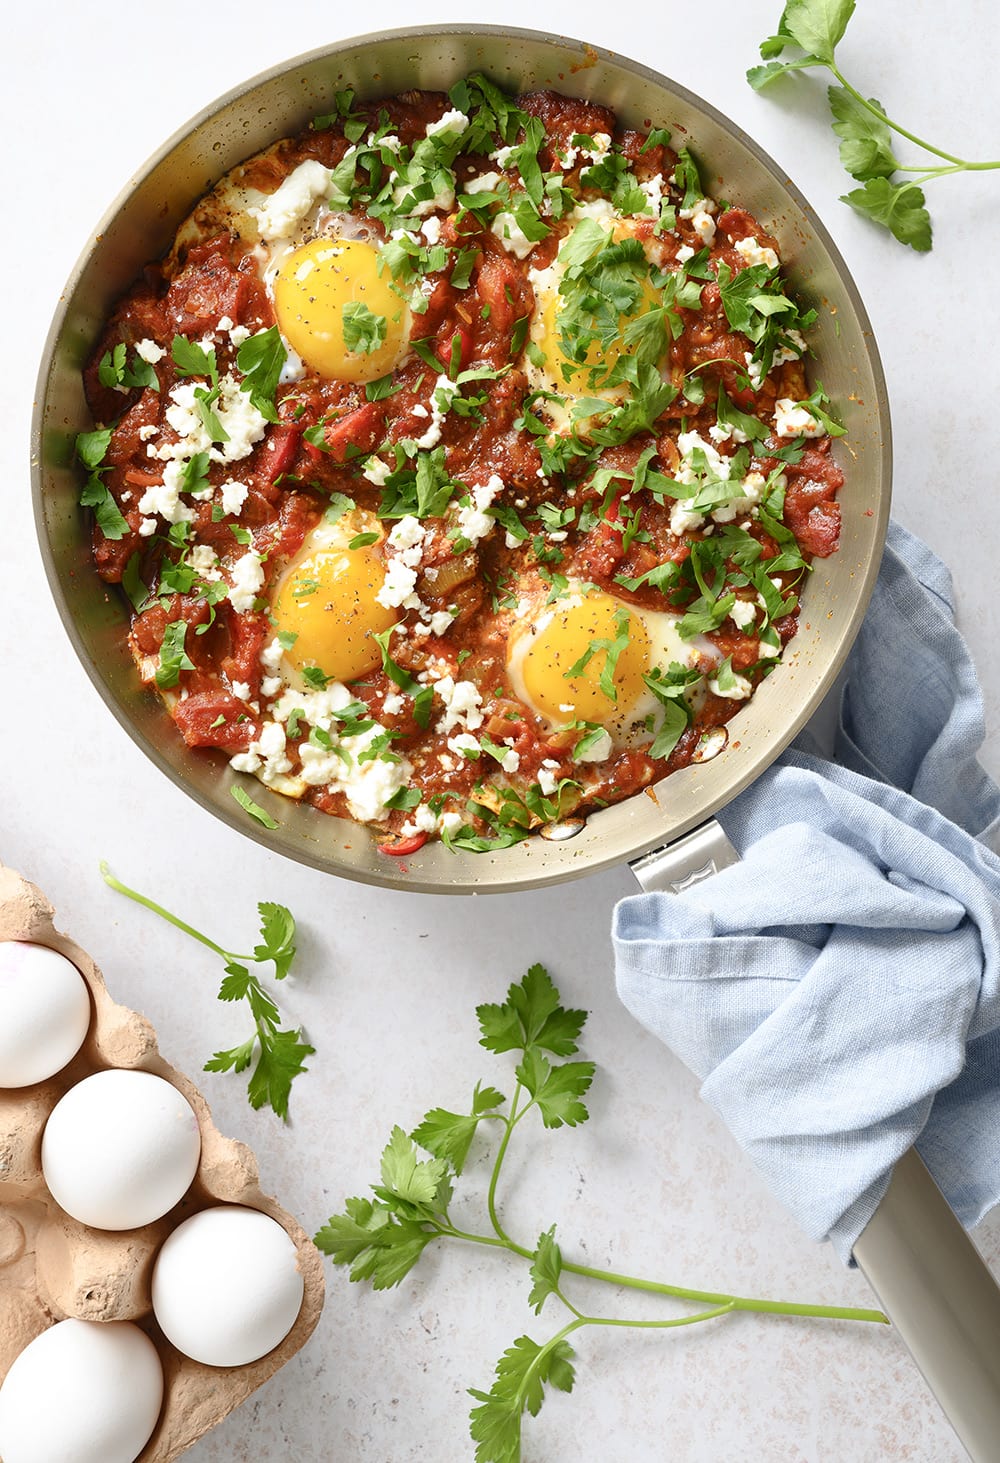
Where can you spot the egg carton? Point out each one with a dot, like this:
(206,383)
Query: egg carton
(53,1267)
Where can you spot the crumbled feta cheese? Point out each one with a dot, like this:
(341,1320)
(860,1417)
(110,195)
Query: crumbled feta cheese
(278,216)
(146,432)
(754,371)
(234,495)
(441,397)
(790,420)
(451,822)
(683,520)
(271,686)
(474,522)
(704,225)
(599,752)
(243,423)
(376,471)
(147,527)
(150,352)
(700,205)
(687,443)
(547,779)
(743,613)
(203,559)
(485,183)
(684,253)
(600,208)
(510,761)
(265,757)
(164,498)
(247,578)
(465,744)
(404,552)
(241,690)
(368,786)
(754,253)
(421,821)
(270,656)
(739,691)
(502,156)
(653,189)
(462,704)
(393,704)
(239,333)
(443,199)
(506,228)
(452,124)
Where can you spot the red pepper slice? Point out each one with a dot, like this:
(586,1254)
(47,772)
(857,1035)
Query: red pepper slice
(282,444)
(442,348)
(403,846)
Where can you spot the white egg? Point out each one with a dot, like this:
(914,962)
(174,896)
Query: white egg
(226,1289)
(81,1392)
(120,1149)
(44,1013)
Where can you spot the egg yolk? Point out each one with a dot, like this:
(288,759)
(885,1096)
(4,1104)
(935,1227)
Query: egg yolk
(604,357)
(328,602)
(593,623)
(318,292)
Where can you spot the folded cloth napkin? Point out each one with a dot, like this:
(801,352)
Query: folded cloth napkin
(838,992)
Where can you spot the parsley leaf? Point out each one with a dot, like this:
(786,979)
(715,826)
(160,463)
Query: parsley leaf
(277,1056)
(261,358)
(521,1375)
(898,206)
(531,1016)
(866,149)
(363,330)
(246,802)
(173,657)
(449,1135)
(546,1268)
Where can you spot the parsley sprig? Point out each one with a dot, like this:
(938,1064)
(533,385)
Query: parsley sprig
(277,1056)
(383,1238)
(814,28)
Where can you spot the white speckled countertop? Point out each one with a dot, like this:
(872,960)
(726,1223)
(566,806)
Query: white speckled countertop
(387,983)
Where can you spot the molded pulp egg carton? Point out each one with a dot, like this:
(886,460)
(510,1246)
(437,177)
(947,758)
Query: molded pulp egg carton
(52,1267)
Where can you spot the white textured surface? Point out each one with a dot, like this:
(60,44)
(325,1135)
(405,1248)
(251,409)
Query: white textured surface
(387,983)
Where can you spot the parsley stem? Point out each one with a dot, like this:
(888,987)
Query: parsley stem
(960,164)
(717,1299)
(491,1198)
(692,1320)
(173,919)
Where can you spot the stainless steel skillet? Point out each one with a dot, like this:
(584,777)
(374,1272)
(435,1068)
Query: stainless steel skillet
(921,1263)
(141,224)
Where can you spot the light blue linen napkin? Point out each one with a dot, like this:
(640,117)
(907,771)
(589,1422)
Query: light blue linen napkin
(838,992)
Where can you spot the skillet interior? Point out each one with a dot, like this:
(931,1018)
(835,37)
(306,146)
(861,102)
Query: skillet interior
(141,224)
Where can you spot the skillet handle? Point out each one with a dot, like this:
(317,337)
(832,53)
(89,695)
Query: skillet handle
(942,1299)
(927,1273)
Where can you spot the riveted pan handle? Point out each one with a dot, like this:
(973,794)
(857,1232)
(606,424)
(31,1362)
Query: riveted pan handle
(928,1275)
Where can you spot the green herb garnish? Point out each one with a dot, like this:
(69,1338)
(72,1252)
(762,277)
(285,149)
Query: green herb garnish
(280,1055)
(812,30)
(381,1239)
